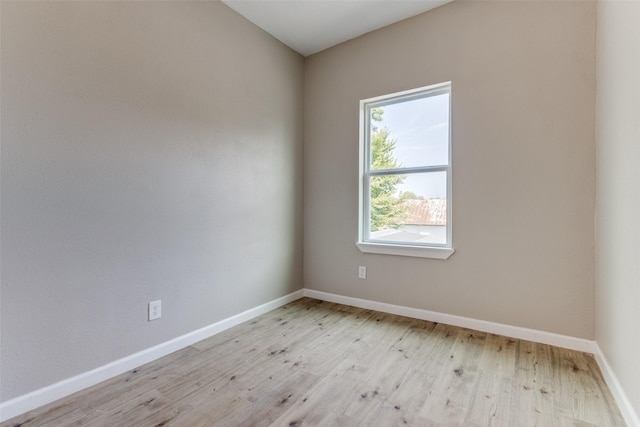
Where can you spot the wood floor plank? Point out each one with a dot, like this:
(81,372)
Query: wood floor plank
(491,400)
(579,374)
(313,363)
(330,397)
(457,380)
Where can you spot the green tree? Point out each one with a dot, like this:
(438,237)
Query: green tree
(386,207)
(410,195)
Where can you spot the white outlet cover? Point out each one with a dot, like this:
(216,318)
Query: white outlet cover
(155,310)
(362,272)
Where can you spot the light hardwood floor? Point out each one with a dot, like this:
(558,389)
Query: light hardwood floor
(313,363)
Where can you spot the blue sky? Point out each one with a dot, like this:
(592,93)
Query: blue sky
(421,130)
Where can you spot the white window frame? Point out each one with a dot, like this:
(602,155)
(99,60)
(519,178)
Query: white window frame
(364,243)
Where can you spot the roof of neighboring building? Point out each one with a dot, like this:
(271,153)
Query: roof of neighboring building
(426,212)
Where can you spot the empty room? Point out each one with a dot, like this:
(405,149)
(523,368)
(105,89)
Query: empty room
(319,213)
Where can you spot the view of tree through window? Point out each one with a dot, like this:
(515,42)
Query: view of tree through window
(408,169)
(386,209)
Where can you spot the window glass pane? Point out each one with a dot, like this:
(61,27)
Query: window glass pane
(410,133)
(409,208)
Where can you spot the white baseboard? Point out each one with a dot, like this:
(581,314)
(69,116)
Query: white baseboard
(53,392)
(550,338)
(629,414)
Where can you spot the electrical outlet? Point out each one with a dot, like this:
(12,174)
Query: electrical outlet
(155,310)
(362,272)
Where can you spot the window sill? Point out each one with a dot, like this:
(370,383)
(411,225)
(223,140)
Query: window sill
(405,250)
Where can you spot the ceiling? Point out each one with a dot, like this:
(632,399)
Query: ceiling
(309,26)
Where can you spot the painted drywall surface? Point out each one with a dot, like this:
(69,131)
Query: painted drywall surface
(523,76)
(618,192)
(150,150)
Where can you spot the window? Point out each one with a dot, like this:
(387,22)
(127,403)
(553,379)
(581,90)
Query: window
(405,173)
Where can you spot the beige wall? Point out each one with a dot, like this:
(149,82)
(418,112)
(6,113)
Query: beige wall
(523,101)
(618,192)
(150,150)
